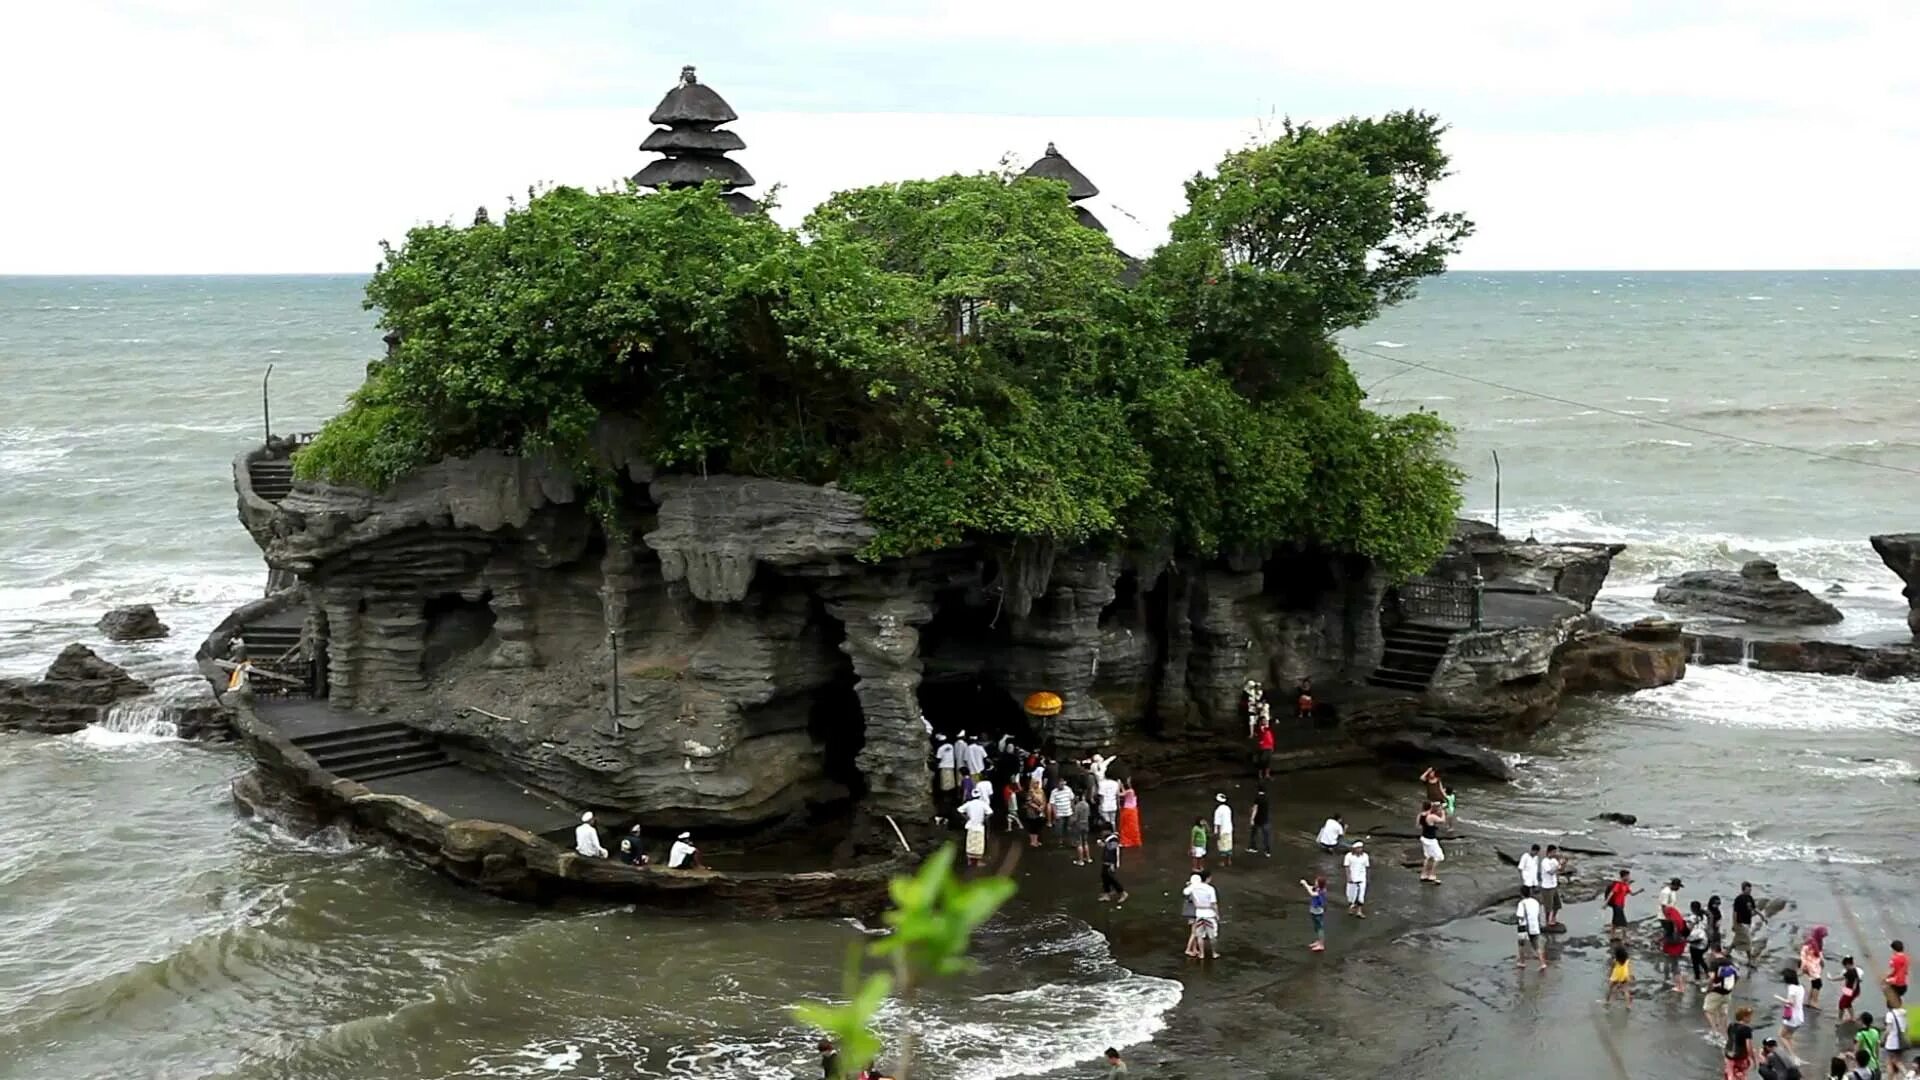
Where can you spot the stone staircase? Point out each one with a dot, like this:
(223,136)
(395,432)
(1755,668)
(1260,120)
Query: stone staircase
(271,478)
(1413,653)
(267,644)
(373,751)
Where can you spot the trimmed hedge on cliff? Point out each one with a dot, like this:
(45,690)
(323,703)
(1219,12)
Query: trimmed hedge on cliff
(961,351)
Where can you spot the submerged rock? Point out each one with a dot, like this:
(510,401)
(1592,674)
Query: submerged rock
(1901,553)
(1447,755)
(1618,818)
(133,622)
(75,692)
(1755,594)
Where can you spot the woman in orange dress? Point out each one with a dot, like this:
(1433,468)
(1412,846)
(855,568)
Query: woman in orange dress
(1129,815)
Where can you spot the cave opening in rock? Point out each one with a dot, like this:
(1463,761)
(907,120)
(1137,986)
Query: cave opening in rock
(1155,618)
(455,626)
(958,690)
(1299,579)
(836,721)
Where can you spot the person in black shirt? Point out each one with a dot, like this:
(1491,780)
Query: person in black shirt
(1739,1051)
(1110,887)
(829,1061)
(1745,909)
(1262,822)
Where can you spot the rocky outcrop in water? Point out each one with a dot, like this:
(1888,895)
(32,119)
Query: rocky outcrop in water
(76,691)
(1756,594)
(1649,653)
(720,654)
(1901,553)
(1811,657)
(1575,570)
(134,622)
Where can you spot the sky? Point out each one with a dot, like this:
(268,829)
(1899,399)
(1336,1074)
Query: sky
(266,136)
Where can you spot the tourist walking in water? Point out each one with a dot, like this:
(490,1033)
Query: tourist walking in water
(1109,791)
(1197,844)
(1260,824)
(1130,834)
(1116,1068)
(1896,980)
(1223,829)
(1110,887)
(1317,910)
(1850,985)
(1716,921)
(1331,832)
(1617,894)
(1356,865)
(1697,944)
(586,838)
(1868,1038)
(1670,894)
(1719,996)
(975,813)
(1738,1049)
(1619,977)
(1080,829)
(1793,1009)
(1745,911)
(1530,929)
(1206,917)
(1036,809)
(1897,1039)
(1813,964)
(1431,816)
(1437,792)
(1552,865)
(1775,1066)
(1673,945)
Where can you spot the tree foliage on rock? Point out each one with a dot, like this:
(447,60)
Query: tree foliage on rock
(961,351)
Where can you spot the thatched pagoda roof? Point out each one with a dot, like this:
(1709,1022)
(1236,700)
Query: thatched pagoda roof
(692,103)
(1054,166)
(692,171)
(692,140)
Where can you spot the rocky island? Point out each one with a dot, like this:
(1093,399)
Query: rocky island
(655,511)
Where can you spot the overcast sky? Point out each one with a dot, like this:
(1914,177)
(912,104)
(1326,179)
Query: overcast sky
(199,136)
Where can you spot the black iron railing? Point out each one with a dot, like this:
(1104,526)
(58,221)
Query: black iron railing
(1456,603)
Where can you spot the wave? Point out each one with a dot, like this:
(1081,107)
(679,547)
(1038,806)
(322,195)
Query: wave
(1734,697)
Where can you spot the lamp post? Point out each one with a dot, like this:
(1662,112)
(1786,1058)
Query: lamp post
(266,410)
(1496,491)
(1479,584)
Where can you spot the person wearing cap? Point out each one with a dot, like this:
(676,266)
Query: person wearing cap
(683,855)
(1223,829)
(1670,893)
(632,851)
(1357,863)
(1773,1066)
(586,838)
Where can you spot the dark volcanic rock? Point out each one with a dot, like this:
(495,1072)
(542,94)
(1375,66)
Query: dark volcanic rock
(1813,657)
(1447,755)
(1756,594)
(1901,553)
(134,622)
(1617,818)
(1647,654)
(1573,570)
(75,692)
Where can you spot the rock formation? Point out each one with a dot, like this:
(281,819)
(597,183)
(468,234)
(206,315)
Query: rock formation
(76,691)
(1756,594)
(134,622)
(1901,553)
(1575,570)
(760,666)
(1647,654)
(1812,657)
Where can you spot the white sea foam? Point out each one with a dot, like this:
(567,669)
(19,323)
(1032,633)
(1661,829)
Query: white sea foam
(1391,344)
(1049,1027)
(1734,697)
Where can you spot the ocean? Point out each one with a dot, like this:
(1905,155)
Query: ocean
(146,929)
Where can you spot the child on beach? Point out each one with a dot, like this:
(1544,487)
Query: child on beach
(1317,908)
(1199,844)
(1619,976)
(1849,985)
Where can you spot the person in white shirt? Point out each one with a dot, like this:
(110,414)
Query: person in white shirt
(976,811)
(1331,833)
(1356,864)
(1550,866)
(1223,829)
(1109,791)
(944,759)
(683,855)
(1530,927)
(586,838)
(1530,869)
(1099,766)
(1670,894)
(976,758)
(1203,938)
(1060,808)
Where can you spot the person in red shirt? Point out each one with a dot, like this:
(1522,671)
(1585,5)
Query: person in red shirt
(1264,759)
(1896,980)
(1617,894)
(1673,945)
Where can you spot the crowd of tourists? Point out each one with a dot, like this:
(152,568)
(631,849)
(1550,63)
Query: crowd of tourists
(1095,813)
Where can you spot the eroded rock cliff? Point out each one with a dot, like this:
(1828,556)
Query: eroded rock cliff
(718,653)
(1901,553)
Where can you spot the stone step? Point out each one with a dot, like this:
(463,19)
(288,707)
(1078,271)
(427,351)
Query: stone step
(1406,661)
(1399,680)
(1416,648)
(348,734)
(401,767)
(1407,632)
(353,763)
(367,748)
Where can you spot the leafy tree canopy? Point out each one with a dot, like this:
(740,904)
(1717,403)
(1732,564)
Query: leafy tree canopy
(961,351)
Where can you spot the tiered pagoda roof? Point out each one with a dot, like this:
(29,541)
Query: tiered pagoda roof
(694,148)
(1054,166)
